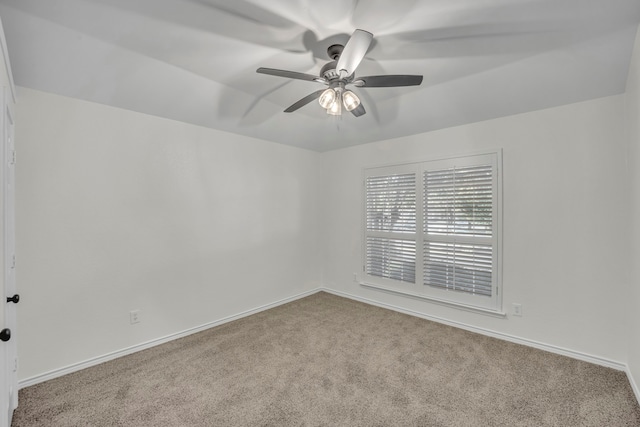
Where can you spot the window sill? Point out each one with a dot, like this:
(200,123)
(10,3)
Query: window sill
(465,307)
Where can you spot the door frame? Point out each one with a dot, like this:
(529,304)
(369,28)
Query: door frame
(9,249)
(8,377)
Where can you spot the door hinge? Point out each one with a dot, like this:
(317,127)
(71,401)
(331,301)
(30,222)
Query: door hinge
(13,261)
(13,157)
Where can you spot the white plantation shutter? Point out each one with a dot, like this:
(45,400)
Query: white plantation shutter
(391,258)
(431,230)
(458,201)
(458,267)
(390,217)
(458,226)
(391,203)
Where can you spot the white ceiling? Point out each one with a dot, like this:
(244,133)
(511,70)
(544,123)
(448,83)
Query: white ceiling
(195,60)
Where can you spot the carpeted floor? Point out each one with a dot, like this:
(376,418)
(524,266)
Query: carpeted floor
(326,360)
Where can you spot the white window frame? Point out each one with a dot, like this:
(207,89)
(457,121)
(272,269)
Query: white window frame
(479,303)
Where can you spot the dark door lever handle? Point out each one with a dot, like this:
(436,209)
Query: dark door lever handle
(14,299)
(5,334)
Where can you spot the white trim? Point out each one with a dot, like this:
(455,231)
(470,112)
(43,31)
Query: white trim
(143,346)
(530,343)
(456,155)
(523,341)
(486,304)
(634,385)
(7,64)
(448,303)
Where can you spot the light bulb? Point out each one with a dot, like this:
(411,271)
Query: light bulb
(327,98)
(335,109)
(350,100)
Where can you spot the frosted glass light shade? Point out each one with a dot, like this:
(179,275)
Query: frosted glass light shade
(327,98)
(335,109)
(350,100)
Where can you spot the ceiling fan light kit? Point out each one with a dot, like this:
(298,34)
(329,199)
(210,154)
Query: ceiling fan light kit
(350,100)
(339,73)
(335,109)
(327,98)
(333,99)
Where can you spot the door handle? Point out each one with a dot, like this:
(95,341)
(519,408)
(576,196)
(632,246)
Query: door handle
(14,299)
(5,334)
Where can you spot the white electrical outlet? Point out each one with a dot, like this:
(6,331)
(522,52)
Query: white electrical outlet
(134,316)
(517,309)
(355,277)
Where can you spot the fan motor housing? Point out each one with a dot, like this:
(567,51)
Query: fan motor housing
(328,71)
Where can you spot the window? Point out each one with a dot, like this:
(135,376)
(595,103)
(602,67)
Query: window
(432,229)
(391,226)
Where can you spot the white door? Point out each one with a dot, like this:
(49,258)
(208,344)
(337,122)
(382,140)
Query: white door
(9,298)
(5,400)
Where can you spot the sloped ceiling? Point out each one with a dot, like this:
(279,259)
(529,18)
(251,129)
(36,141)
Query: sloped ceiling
(195,60)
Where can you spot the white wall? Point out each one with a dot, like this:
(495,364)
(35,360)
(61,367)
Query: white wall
(633,129)
(119,211)
(565,216)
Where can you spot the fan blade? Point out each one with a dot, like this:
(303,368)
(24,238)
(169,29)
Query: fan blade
(353,52)
(304,101)
(290,74)
(359,111)
(390,80)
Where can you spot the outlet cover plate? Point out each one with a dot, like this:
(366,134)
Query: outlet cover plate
(134,316)
(517,310)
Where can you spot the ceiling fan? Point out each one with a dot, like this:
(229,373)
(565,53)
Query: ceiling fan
(339,73)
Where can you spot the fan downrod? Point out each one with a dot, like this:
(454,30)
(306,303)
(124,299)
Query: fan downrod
(334,51)
(328,71)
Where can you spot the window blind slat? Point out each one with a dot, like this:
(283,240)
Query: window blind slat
(391,258)
(391,203)
(459,201)
(458,267)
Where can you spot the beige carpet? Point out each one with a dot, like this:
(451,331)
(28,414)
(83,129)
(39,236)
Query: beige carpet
(326,360)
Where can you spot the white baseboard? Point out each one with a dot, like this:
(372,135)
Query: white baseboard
(506,337)
(634,385)
(143,346)
(129,350)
